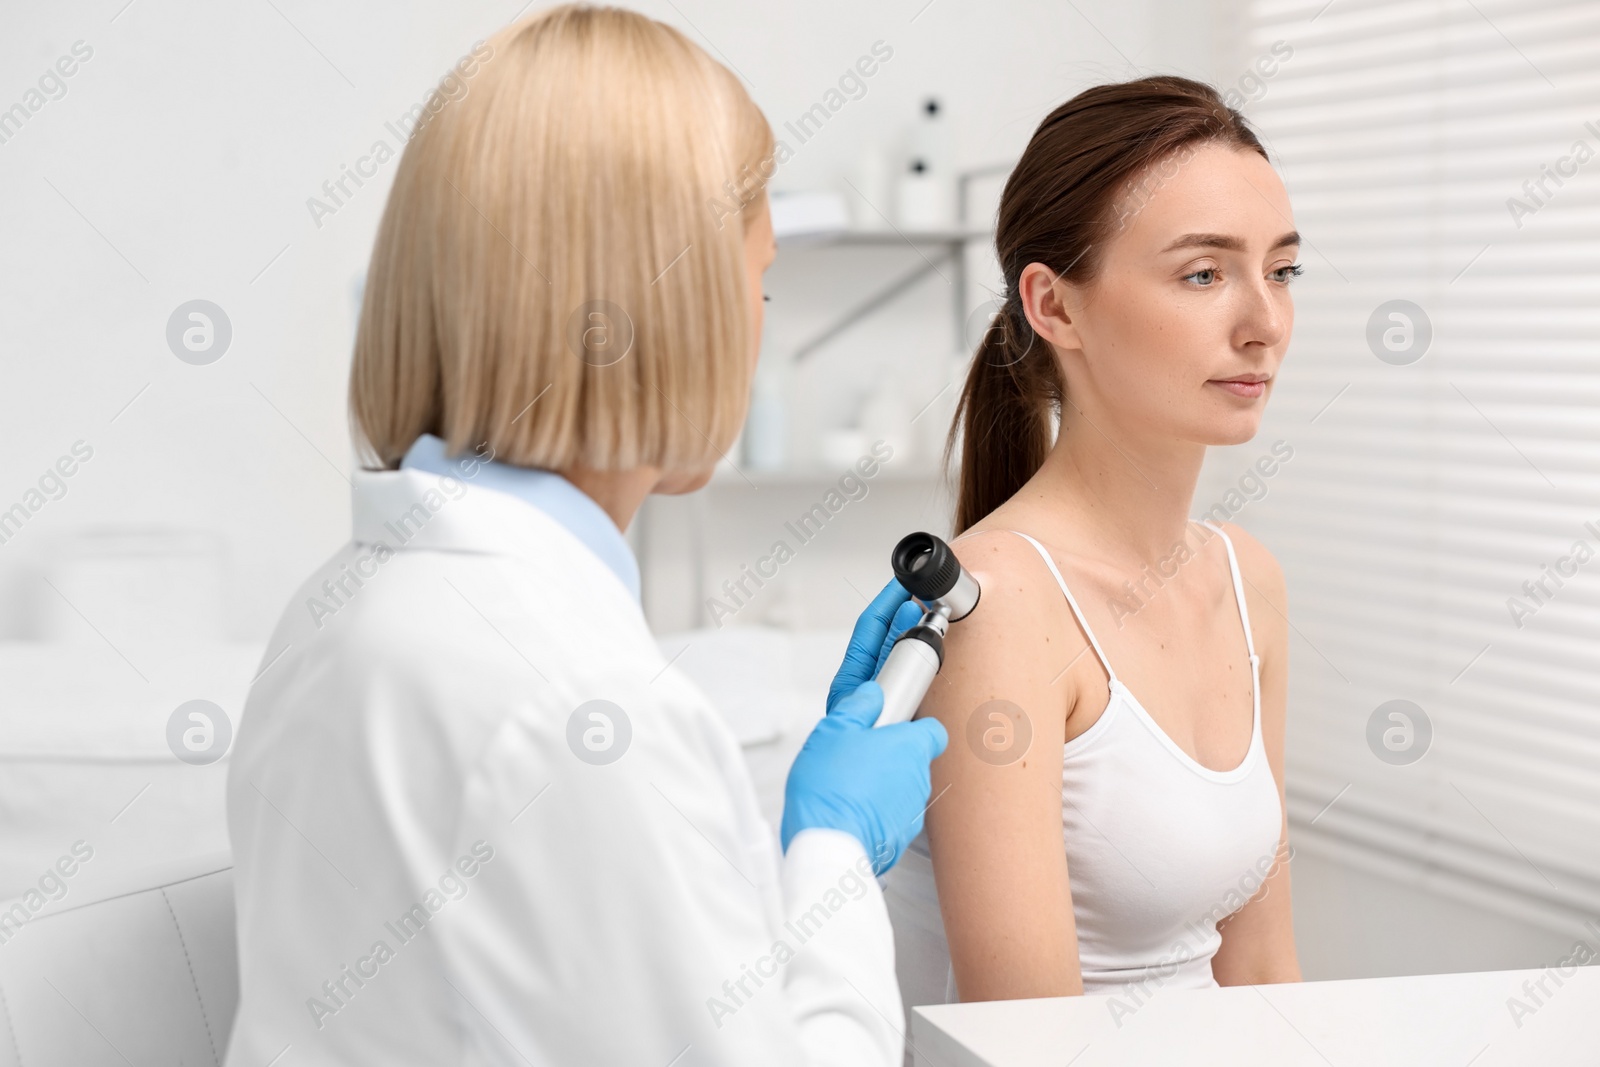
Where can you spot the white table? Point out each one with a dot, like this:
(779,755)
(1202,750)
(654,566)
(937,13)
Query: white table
(1446,1019)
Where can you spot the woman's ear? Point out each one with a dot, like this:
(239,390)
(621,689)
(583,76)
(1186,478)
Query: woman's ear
(1051,305)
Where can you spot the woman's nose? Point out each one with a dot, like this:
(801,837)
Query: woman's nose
(1264,318)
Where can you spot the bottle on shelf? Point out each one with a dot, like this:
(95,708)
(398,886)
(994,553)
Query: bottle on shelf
(925,198)
(887,416)
(765,437)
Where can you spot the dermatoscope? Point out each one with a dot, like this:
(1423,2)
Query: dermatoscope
(929,570)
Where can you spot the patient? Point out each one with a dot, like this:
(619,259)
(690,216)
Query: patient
(1109,816)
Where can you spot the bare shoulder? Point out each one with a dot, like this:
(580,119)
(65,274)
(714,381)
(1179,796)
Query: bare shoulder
(1020,627)
(1010,568)
(1257,565)
(1000,551)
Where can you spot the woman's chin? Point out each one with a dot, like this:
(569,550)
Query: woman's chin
(1238,430)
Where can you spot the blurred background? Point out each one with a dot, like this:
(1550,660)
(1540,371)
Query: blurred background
(191,194)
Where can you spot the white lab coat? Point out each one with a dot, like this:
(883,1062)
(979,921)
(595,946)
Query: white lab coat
(426,872)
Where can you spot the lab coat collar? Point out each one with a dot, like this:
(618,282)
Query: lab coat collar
(544,489)
(407,510)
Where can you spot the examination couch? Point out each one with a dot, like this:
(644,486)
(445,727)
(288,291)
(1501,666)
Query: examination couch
(146,973)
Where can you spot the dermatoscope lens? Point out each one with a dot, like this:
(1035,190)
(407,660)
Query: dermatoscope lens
(925,566)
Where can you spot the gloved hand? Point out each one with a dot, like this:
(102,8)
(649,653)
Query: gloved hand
(849,776)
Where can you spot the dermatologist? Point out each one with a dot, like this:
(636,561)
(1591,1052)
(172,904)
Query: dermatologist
(477,818)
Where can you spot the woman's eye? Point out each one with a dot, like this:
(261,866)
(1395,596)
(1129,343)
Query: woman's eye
(1291,271)
(1209,273)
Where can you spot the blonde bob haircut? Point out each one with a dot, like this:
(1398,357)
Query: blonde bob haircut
(553,277)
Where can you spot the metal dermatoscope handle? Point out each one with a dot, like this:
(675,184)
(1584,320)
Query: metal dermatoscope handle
(929,570)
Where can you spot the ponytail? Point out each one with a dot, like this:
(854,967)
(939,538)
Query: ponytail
(1005,415)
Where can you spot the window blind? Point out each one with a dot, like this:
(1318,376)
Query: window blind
(1439,522)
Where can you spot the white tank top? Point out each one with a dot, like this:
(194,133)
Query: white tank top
(1159,847)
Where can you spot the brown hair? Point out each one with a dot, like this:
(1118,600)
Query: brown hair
(1090,163)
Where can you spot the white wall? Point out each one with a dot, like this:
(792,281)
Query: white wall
(178,166)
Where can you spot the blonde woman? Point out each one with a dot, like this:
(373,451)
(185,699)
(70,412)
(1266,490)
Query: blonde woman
(476,817)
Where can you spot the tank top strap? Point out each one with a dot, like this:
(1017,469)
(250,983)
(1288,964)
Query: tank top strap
(1238,589)
(1071,601)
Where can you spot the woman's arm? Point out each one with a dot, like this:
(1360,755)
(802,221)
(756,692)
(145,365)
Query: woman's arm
(1258,939)
(994,824)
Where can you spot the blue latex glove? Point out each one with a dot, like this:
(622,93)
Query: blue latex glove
(849,776)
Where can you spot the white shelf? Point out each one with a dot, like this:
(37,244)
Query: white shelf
(747,478)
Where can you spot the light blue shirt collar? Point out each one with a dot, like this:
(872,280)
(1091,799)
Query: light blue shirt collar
(545,490)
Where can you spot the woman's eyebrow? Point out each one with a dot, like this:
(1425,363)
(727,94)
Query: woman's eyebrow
(1222,240)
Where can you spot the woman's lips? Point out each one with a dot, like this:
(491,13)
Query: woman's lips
(1247,390)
